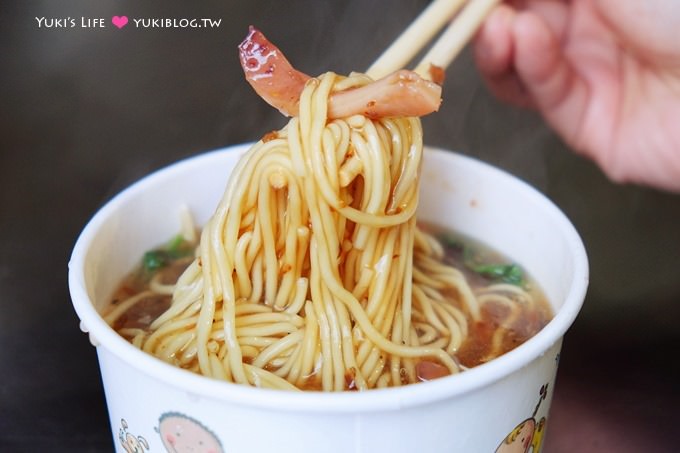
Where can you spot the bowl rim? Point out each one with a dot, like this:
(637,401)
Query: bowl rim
(394,398)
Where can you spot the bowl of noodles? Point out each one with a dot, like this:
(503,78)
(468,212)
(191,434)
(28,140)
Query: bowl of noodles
(336,286)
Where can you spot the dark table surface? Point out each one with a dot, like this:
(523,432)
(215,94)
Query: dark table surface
(87,111)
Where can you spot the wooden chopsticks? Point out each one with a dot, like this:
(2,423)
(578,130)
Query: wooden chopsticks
(424,27)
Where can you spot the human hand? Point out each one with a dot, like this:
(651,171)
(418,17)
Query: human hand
(605,74)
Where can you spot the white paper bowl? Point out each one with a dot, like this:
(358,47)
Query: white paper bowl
(475,411)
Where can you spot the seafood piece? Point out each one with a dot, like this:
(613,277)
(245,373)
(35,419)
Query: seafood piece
(270,74)
(402,93)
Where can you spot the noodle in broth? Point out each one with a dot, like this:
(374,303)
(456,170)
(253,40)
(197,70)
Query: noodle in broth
(312,272)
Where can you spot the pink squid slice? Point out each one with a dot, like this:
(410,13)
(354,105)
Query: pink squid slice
(402,93)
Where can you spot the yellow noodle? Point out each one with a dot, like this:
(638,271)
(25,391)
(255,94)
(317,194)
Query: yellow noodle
(312,272)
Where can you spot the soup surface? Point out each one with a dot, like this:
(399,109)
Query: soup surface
(502,328)
(513,308)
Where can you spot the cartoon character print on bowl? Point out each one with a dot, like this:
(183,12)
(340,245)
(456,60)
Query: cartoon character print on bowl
(181,433)
(130,442)
(527,436)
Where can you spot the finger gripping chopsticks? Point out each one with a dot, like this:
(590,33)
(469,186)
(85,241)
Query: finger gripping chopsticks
(462,27)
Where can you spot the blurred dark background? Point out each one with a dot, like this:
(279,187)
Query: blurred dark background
(84,112)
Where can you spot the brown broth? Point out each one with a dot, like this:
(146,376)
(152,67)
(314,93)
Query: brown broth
(142,314)
(477,347)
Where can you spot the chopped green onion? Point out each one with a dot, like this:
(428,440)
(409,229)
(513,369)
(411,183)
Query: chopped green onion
(506,273)
(175,243)
(156,259)
(178,247)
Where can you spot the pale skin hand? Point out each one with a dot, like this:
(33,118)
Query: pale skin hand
(605,74)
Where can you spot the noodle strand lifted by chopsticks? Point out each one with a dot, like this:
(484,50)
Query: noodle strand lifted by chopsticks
(312,272)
